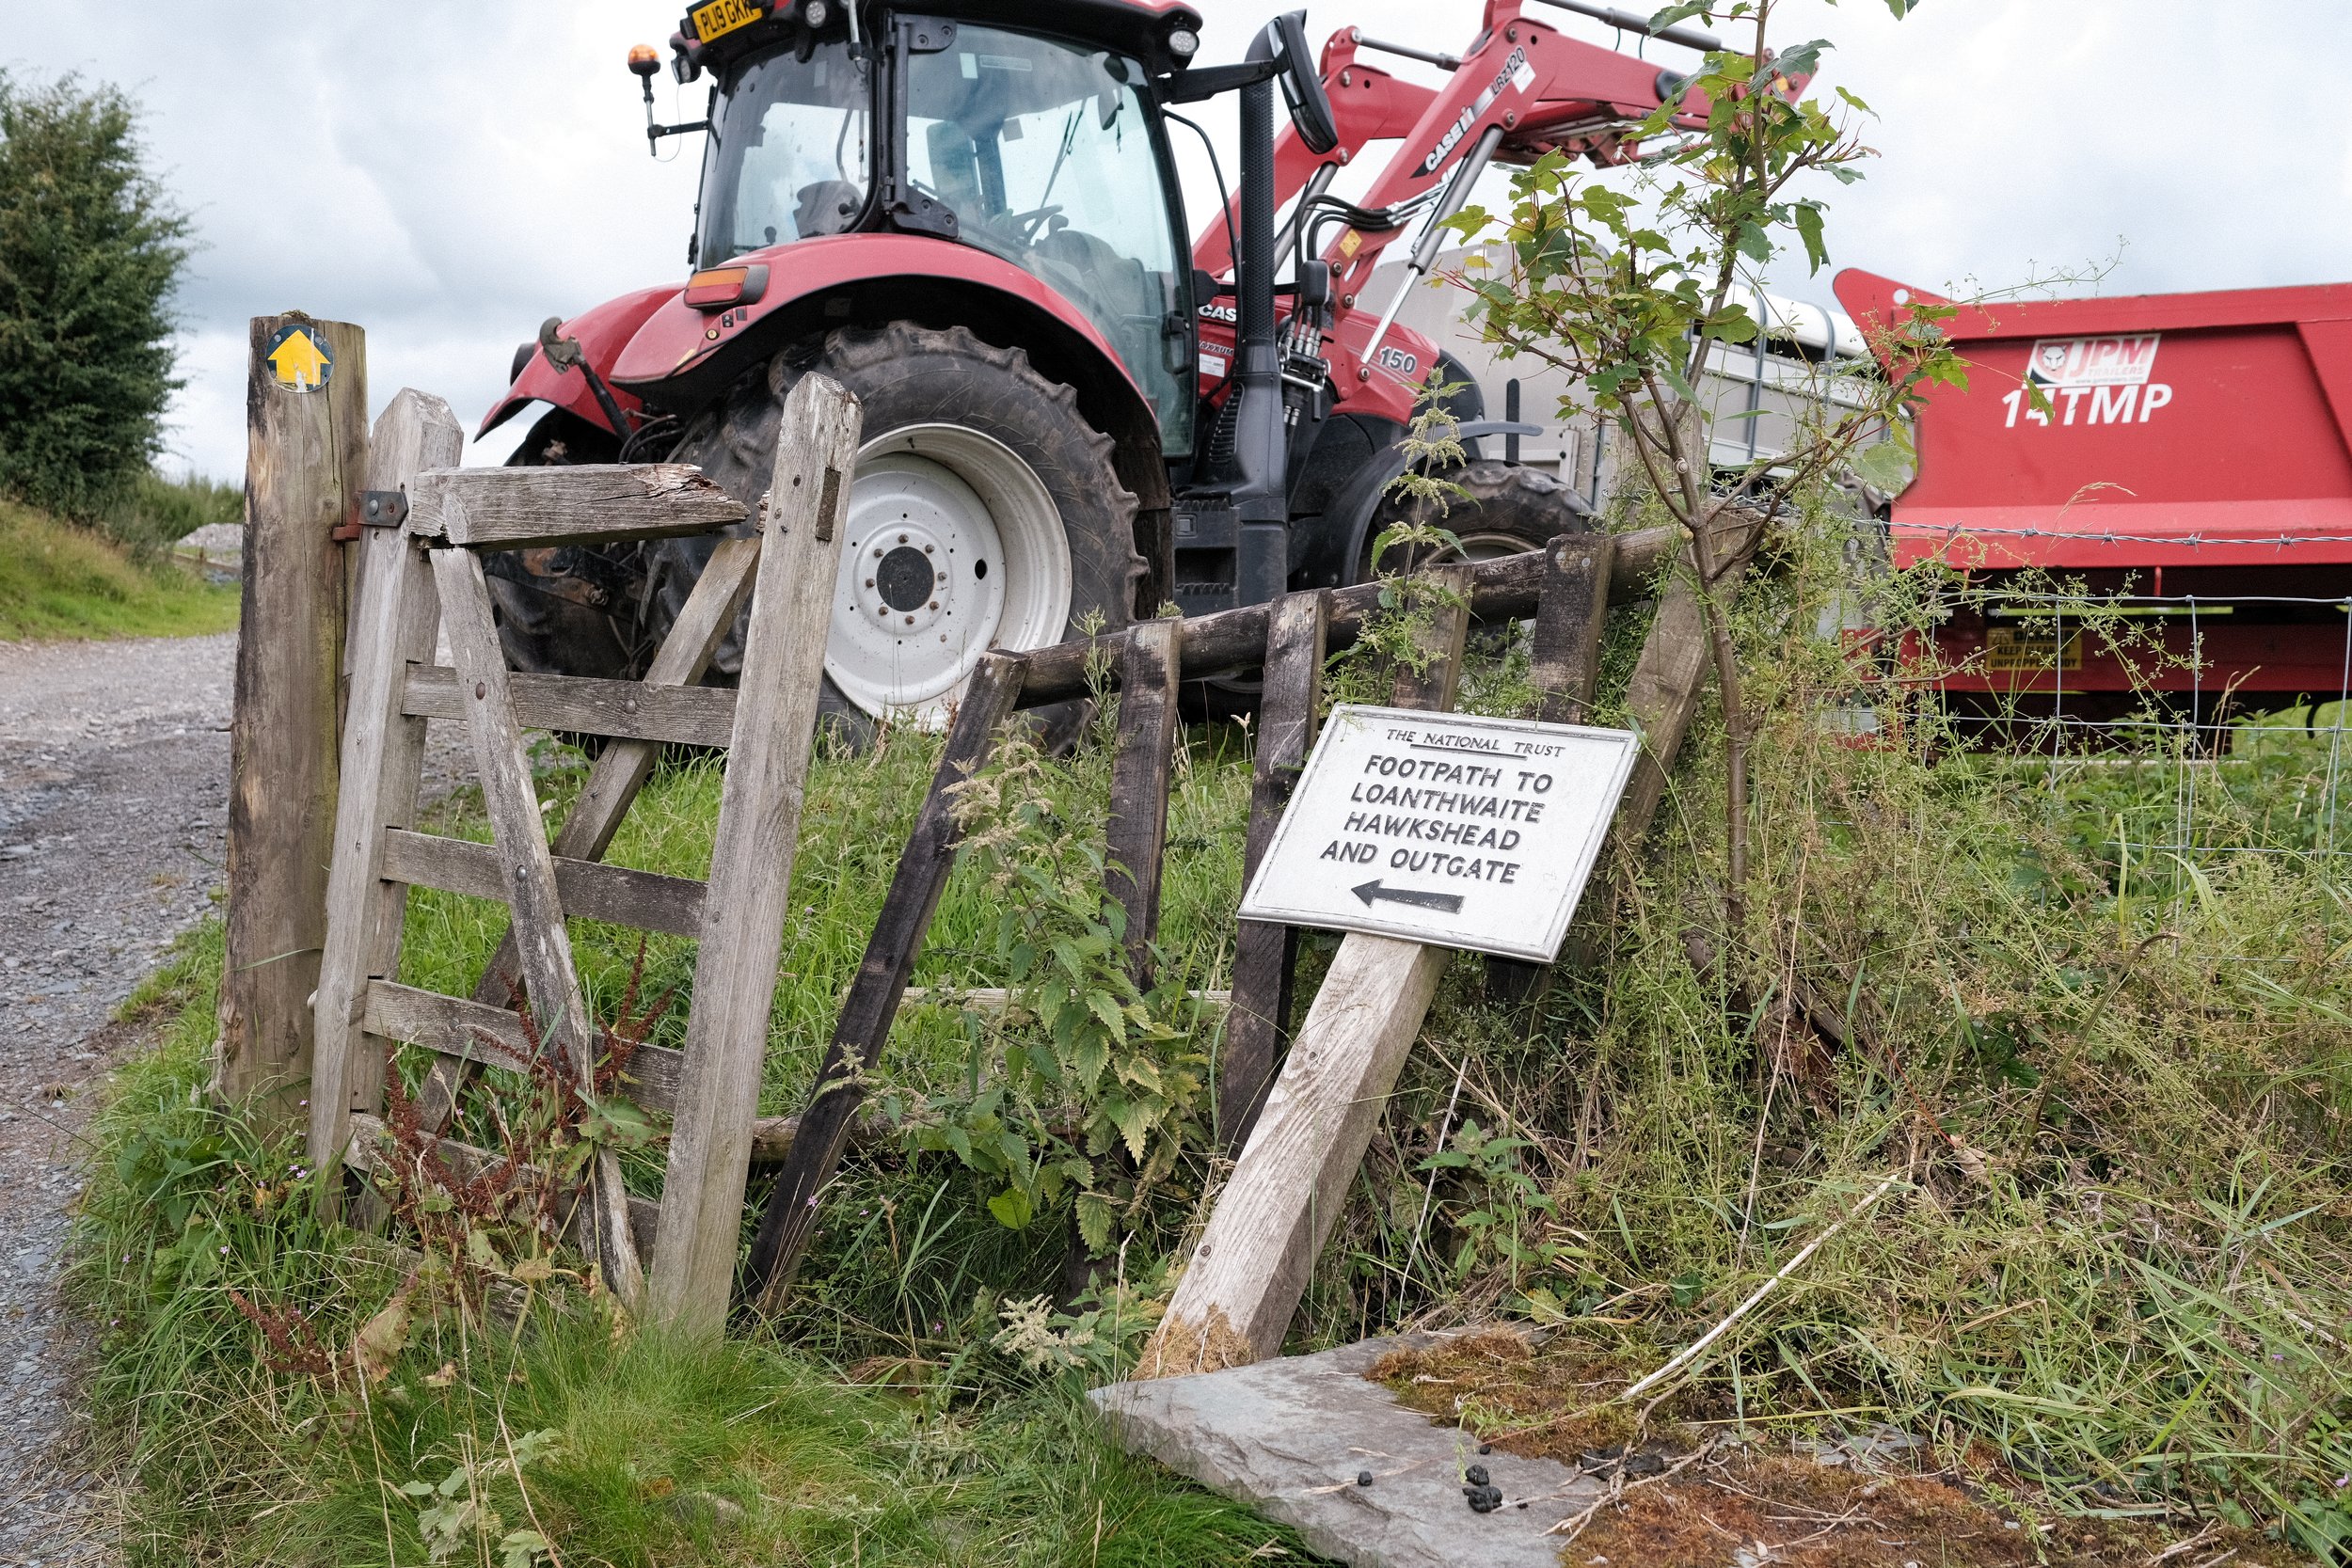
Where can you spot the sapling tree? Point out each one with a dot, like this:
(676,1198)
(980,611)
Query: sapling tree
(1632,285)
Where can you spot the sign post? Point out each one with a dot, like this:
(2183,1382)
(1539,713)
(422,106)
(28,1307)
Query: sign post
(1420,833)
(1443,829)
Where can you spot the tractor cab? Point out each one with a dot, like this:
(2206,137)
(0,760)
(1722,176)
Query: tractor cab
(1043,147)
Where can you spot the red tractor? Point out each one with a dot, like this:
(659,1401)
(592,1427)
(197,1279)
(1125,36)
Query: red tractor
(969,215)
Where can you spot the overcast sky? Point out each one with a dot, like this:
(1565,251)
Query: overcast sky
(448,172)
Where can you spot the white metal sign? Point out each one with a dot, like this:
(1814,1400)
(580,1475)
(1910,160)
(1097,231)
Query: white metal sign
(1444,829)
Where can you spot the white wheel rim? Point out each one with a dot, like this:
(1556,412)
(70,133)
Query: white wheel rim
(954,548)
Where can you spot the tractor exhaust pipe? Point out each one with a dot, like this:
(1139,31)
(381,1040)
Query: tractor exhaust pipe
(1260,439)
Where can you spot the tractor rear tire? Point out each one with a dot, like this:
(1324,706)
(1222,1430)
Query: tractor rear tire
(973,466)
(1507,509)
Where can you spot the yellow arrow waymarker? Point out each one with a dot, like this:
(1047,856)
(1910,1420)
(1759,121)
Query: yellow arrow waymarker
(300,359)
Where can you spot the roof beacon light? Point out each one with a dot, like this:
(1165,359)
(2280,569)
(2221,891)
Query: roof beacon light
(643,60)
(1184,43)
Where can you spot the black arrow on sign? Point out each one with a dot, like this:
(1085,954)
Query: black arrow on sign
(1450,902)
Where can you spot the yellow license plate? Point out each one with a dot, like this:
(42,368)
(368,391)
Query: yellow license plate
(2008,649)
(722,17)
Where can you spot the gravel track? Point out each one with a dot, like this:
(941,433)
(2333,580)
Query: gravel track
(113,773)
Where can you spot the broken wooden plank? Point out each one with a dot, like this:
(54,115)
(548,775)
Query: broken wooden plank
(859,1034)
(512,805)
(618,773)
(588,889)
(581,503)
(383,758)
(631,710)
(1265,956)
(1244,1279)
(1142,764)
(751,863)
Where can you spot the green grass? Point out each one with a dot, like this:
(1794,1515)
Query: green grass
(750,1451)
(58,581)
(2112,1083)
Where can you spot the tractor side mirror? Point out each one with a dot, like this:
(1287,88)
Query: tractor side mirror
(1286,39)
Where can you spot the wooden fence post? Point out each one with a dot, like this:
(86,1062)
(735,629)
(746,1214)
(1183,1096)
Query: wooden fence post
(1572,612)
(1265,956)
(307,446)
(1137,834)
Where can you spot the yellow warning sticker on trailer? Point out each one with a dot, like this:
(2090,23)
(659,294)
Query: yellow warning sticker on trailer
(298,358)
(722,17)
(2008,648)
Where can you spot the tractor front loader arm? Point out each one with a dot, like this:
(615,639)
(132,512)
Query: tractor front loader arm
(1368,104)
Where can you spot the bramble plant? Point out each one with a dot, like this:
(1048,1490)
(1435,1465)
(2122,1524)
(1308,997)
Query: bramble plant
(1087,1087)
(1631,291)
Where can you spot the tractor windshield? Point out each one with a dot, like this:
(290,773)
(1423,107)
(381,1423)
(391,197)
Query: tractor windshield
(1046,154)
(788,156)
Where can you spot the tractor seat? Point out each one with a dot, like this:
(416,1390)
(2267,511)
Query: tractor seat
(827,207)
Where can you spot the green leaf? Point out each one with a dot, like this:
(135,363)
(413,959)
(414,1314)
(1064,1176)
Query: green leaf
(1094,1221)
(1681,10)
(1857,103)
(1755,244)
(1134,1122)
(1882,466)
(1011,1208)
(1807,217)
(1801,59)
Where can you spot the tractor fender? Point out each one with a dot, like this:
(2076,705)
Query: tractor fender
(602,332)
(681,356)
(1348,519)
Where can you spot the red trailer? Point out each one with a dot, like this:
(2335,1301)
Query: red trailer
(2187,455)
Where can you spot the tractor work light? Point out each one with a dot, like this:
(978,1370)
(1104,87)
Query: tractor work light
(816,14)
(717,288)
(1184,43)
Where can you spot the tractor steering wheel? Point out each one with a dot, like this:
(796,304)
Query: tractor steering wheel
(1024,225)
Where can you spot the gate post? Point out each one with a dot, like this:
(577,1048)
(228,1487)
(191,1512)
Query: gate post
(306,447)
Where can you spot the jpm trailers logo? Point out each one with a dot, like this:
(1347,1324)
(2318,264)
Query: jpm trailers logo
(1516,73)
(2112,373)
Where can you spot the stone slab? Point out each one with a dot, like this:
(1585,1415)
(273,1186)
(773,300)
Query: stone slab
(1289,1437)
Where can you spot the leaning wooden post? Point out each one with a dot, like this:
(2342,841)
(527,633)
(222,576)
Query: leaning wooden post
(305,455)
(1245,1278)
(864,1026)
(1663,694)
(751,866)
(394,620)
(1264,957)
